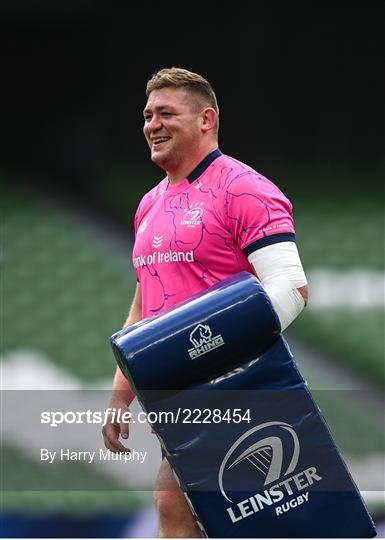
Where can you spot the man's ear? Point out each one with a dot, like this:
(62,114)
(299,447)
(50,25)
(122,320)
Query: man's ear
(209,119)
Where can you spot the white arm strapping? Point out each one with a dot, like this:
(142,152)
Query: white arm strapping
(280,272)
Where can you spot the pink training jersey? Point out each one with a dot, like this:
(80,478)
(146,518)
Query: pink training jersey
(200,231)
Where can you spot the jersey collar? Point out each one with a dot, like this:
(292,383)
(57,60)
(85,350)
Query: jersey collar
(200,169)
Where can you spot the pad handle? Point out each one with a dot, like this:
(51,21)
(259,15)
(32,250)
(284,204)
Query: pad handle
(200,338)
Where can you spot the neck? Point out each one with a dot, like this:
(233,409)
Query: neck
(177,175)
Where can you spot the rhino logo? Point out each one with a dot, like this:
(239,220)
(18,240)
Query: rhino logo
(200,335)
(202,339)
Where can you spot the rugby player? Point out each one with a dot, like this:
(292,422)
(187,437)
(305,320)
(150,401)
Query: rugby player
(209,218)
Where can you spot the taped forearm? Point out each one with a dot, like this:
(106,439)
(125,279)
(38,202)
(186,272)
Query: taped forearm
(288,302)
(279,269)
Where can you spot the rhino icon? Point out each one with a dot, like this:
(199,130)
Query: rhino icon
(200,335)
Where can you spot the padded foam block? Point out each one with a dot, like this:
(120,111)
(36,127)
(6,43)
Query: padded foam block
(248,444)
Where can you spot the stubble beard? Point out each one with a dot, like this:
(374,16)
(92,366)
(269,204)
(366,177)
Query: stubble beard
(164,159)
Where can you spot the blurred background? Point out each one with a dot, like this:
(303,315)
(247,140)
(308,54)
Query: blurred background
(301,97)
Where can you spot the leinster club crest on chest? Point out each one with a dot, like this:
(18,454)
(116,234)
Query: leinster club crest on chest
(193,215)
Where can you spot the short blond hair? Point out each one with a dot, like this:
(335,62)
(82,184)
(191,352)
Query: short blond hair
(193,83)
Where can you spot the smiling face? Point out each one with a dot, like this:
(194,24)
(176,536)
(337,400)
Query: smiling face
(173,122)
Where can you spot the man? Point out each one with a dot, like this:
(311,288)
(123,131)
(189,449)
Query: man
(209,218)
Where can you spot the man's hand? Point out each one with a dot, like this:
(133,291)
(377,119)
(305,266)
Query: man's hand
(113,429)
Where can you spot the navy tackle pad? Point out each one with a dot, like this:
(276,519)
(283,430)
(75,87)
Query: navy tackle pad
(245,439)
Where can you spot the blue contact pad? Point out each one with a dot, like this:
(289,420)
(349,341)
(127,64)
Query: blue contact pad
(249,446)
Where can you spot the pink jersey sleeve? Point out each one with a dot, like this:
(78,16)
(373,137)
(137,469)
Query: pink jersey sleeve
(258,213)
(140,213)
(140,219)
